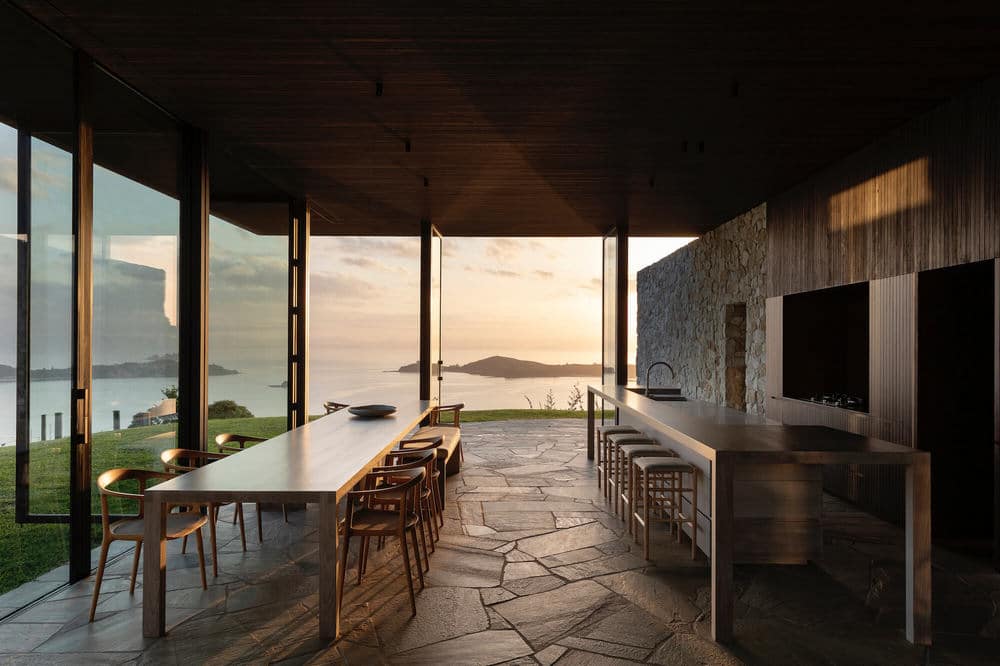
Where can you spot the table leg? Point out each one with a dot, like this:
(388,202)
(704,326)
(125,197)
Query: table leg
(723,598)
(329,563)
(918,551)
(154,568)
(590,426)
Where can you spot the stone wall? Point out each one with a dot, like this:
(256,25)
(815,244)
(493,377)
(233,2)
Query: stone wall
(682,317)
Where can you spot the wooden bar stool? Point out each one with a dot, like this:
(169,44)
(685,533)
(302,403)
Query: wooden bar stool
(611,445)
(601,432)
(626,483)
(661,484)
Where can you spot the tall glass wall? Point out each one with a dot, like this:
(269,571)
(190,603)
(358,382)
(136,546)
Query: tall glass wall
(247,325)
(364,319)
(609,309)
(36,256)
(135,261)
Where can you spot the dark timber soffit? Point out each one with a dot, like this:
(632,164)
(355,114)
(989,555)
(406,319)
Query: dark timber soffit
(536,119)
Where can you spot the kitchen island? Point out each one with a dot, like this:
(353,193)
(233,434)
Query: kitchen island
(750,465)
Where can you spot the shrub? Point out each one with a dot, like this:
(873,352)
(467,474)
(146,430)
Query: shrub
(228,409)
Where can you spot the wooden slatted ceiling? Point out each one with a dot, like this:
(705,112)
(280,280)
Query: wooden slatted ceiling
(537,118)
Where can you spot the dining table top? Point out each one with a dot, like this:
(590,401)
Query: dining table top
(329,454)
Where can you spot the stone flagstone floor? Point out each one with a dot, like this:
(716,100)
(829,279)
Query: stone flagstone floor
(530,569)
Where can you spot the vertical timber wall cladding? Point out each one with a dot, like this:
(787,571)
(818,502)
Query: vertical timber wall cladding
(924,196)
(683,302)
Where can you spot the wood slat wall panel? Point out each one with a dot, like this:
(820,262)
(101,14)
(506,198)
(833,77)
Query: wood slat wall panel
(892,369)
(925,196)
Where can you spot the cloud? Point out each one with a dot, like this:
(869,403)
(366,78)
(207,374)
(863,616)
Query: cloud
(504,249)
(8,174)
(368,246)
(545,275)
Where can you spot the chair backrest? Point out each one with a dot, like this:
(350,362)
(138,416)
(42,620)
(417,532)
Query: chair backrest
(179,461)
(228,442)
(330,406)
(405,482)
(113,476)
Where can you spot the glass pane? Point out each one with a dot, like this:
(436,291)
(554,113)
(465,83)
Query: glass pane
(437,374)
(248,328)
(364,321)
(38,96)
(51,286)
(609,371)
(136,217)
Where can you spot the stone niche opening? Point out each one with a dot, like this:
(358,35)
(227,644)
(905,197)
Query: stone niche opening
(736,356)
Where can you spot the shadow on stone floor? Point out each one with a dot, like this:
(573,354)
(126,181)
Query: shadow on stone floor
(530,569)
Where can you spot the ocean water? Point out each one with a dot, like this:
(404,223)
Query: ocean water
(347,381)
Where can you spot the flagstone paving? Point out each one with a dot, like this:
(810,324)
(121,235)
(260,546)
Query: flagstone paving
(530,569)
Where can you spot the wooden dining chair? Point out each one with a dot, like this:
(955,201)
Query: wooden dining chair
(228,442)
(181,461)
(437,445)
(366,518)
(395,462)
(330,406)
(179,525)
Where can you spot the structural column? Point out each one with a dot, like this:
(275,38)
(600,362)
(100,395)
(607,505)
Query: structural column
(23,437)
(192,296)
(298,313)
(426,238)
(83,297)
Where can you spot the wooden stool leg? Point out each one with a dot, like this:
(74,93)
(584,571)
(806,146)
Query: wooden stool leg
(362,555)
(645,516)
(284,512)
(694,514)
(135,566)
(100,576)
(201,558)
(184,545)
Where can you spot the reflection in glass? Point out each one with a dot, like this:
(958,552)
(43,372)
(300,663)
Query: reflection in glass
(248,330)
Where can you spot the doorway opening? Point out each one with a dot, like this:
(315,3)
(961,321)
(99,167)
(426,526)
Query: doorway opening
(736,356)
(955,402)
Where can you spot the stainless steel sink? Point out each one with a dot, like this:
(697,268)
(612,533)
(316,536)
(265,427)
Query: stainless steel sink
(660,394)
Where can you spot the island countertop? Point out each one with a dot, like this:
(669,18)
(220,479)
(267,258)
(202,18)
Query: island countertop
(711,430)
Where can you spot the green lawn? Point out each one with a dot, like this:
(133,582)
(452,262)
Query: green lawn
(26,551)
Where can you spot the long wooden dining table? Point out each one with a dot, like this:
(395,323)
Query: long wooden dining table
(315,463)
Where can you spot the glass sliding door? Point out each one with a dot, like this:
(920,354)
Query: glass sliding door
(437,363)
(247,322)
(36,252)
(135,263)
(609,316)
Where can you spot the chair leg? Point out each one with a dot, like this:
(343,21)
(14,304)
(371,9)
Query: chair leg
(260,525)
(423,536)
(100,576)
(184,545)
(416,555)
(645,516)
(135,566)
(409,573)
(342,574)
(201,558)
(362,555)
(213,512)
(243,527)
(284,512)
(694,515)
(234,513)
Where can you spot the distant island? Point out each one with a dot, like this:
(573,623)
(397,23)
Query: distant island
(513,368)
(156,366)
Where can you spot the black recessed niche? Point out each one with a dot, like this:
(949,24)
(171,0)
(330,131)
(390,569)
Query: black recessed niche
(826,347)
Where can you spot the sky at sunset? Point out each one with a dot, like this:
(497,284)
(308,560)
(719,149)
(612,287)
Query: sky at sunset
(531,298)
